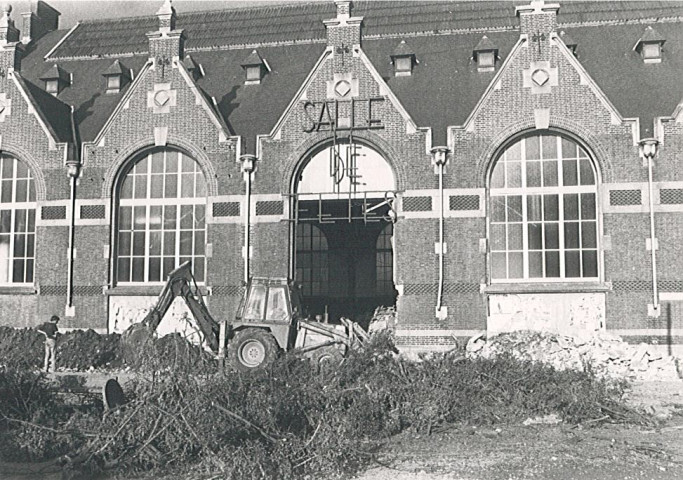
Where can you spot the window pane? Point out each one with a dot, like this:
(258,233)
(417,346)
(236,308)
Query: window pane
(157,162)
(139,218)
(18,271)
(549,147)
(199,243)
(515,237)
(497,208)
(6,194)
(552,264)
(22,191)
(588,237)
(140,186)
(169,243)
(516,261)
(590,263)
(514,210)
(572,264)
(587,175)
(124,243)
(568,148)
(138,270)
(139,243)
(498,267)
(514,152)
(550,174)
(154,269)
(498,176)
(535,236)
(571,235)
(533,207)
(571,206)
(186,216)
(5,221)
(552,236)
(170,212)
(123,269)
(569,175)
(533,174)
(533,148)
(550,207)
(155,243)
(156,186)
(535,264)
(514,174)
(185,243)
(587,206)
(127,188)
(171,186)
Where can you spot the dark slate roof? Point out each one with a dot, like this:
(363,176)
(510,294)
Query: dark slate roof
(445,86)
(57,114)
(442,91)
(635,88)
(302,22)
(255,109)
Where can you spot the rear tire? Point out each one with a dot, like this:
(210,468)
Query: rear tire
(252,349)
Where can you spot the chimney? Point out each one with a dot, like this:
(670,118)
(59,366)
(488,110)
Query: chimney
(538,20)
(167,43)
(343,32)
(10,50)
(35,25)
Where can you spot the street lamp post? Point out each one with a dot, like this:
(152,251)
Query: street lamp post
(648,149)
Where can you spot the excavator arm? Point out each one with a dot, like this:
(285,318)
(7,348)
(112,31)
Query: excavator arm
(181,283)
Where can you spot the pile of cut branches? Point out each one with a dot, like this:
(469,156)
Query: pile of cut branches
(293,421)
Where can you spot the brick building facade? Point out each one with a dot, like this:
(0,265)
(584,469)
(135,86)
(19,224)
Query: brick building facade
(479,165)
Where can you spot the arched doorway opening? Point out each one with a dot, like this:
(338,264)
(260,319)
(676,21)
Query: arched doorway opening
(343,225)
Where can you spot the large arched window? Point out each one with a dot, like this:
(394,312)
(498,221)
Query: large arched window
(543,212)
(312,269)
(385,261)
(17,222)
(162,203)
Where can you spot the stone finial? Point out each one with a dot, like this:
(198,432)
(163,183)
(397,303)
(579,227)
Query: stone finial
(8,33)
(167,17)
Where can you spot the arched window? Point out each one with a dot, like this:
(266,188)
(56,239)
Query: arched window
(385,262)
(543,212)
(162,203)
(17,222)
(312,269)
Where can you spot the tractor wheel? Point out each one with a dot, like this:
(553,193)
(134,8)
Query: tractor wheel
(326,357)
(251,349)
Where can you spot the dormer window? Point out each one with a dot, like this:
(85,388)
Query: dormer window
(403,59)
(569,42)
(52,86)
(195,69)
(650,46)
(56,79)
(116,77)
(485,54)
(255,68)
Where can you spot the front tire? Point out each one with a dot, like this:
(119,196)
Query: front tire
(251,349)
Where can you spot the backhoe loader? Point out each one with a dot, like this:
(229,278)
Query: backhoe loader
(268,320)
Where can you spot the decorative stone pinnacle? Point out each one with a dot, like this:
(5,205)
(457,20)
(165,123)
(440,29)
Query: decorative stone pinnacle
(166,8)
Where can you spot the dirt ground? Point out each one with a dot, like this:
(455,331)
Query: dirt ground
(548,452)
(515,452)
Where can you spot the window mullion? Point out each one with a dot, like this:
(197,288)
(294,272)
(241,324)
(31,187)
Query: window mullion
(525,217)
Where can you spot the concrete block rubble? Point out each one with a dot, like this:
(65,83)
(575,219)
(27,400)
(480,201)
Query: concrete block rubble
(605,354)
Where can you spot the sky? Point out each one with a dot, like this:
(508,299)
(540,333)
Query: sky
(75,10)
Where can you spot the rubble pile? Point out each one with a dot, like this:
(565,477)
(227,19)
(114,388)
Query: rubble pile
(86,349)
(604,354)
(21,346)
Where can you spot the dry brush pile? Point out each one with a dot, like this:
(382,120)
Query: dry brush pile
(292,421)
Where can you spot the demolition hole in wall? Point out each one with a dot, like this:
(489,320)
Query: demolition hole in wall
(343,226)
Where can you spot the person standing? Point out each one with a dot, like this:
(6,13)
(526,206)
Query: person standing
(50,329)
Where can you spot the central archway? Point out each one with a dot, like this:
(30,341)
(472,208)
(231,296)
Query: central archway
(342,215)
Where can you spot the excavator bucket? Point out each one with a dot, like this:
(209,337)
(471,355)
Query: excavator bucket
(135,340)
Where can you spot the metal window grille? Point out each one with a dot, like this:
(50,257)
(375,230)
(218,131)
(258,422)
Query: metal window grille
(88,290)
(625,197)
(227,290)
(417,204)
(57,212)
(226,209)
(269,208)
(53,290)
(463,202)
(671,196)
(92,212)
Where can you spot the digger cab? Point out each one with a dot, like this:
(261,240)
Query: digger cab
(272,304)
